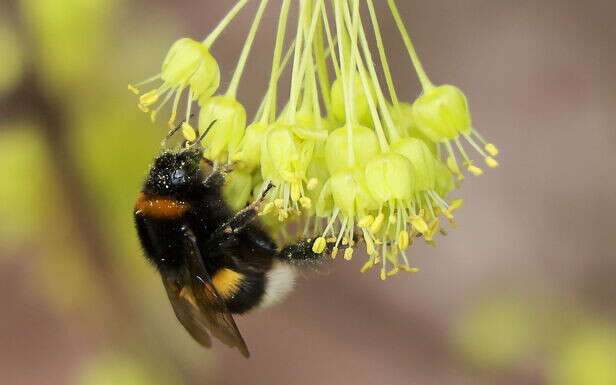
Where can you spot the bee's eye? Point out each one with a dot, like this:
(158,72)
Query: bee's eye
(178,177)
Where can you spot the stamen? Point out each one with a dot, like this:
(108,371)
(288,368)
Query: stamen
(149,98)
(168,94)
(348,253)
(378,222)
(451,161)
(189,132)
(403,240)
(491,149)
(491,162)
(144,82)
(342,231)
(174,110)
(319,245)
(366,221)
(305,202)
(475,145)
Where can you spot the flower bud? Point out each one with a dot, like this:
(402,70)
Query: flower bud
(422,159)
(225,135)
(189,62)
(283,155)
(237,189)
(307,128)
(362,110)
(441,113)
(390,176)
(325,201)
(402,115)
(365,146)
(350,194)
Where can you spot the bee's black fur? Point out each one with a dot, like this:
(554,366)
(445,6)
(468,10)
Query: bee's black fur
(225,239)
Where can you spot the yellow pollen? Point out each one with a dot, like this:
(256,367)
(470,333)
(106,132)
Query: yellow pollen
(367,266)
(383,275)
(451,163)
(370,249)
(305,202)
(319,245)
(377,259)
(393,272)
(409,269)
(334,252)
(348,253)
(491,162)
(491,149)
(267,208)
(282,215)
(312,184)
(403,240)
(418,223)
(295,192)
(171,122)
(133,89)
(474,170)
(143,108)
(149,98)
(279,203)
(153,116)
(456,204)
(189,132)
(366,221)
(378,222)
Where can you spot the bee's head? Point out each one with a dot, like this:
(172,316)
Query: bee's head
(175,173)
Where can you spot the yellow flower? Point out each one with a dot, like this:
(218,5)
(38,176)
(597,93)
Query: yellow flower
(441,113)
(188,65)
(348,163)
(225,136)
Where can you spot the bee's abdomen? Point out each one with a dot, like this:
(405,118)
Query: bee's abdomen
(240,291)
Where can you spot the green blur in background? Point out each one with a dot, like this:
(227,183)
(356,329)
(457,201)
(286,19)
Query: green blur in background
(74,149)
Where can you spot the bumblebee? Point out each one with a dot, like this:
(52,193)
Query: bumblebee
(213,262)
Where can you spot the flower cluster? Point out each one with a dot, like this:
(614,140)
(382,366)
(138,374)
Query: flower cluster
(349,161)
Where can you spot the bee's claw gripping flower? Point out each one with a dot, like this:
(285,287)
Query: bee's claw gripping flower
(188,64)
(348,163)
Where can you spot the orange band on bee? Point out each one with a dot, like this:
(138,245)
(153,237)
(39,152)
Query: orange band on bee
(162,207)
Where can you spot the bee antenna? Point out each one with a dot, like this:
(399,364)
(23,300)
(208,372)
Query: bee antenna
(200,138)
(175,129)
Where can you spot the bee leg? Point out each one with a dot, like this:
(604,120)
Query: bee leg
(244,217)
(217,176)
(301,253)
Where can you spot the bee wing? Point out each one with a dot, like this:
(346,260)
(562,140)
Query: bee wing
(186,310)
(212,308)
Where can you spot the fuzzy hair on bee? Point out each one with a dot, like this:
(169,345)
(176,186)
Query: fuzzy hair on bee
(213,262)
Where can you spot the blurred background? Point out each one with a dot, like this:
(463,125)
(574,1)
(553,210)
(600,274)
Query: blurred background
(522,292)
